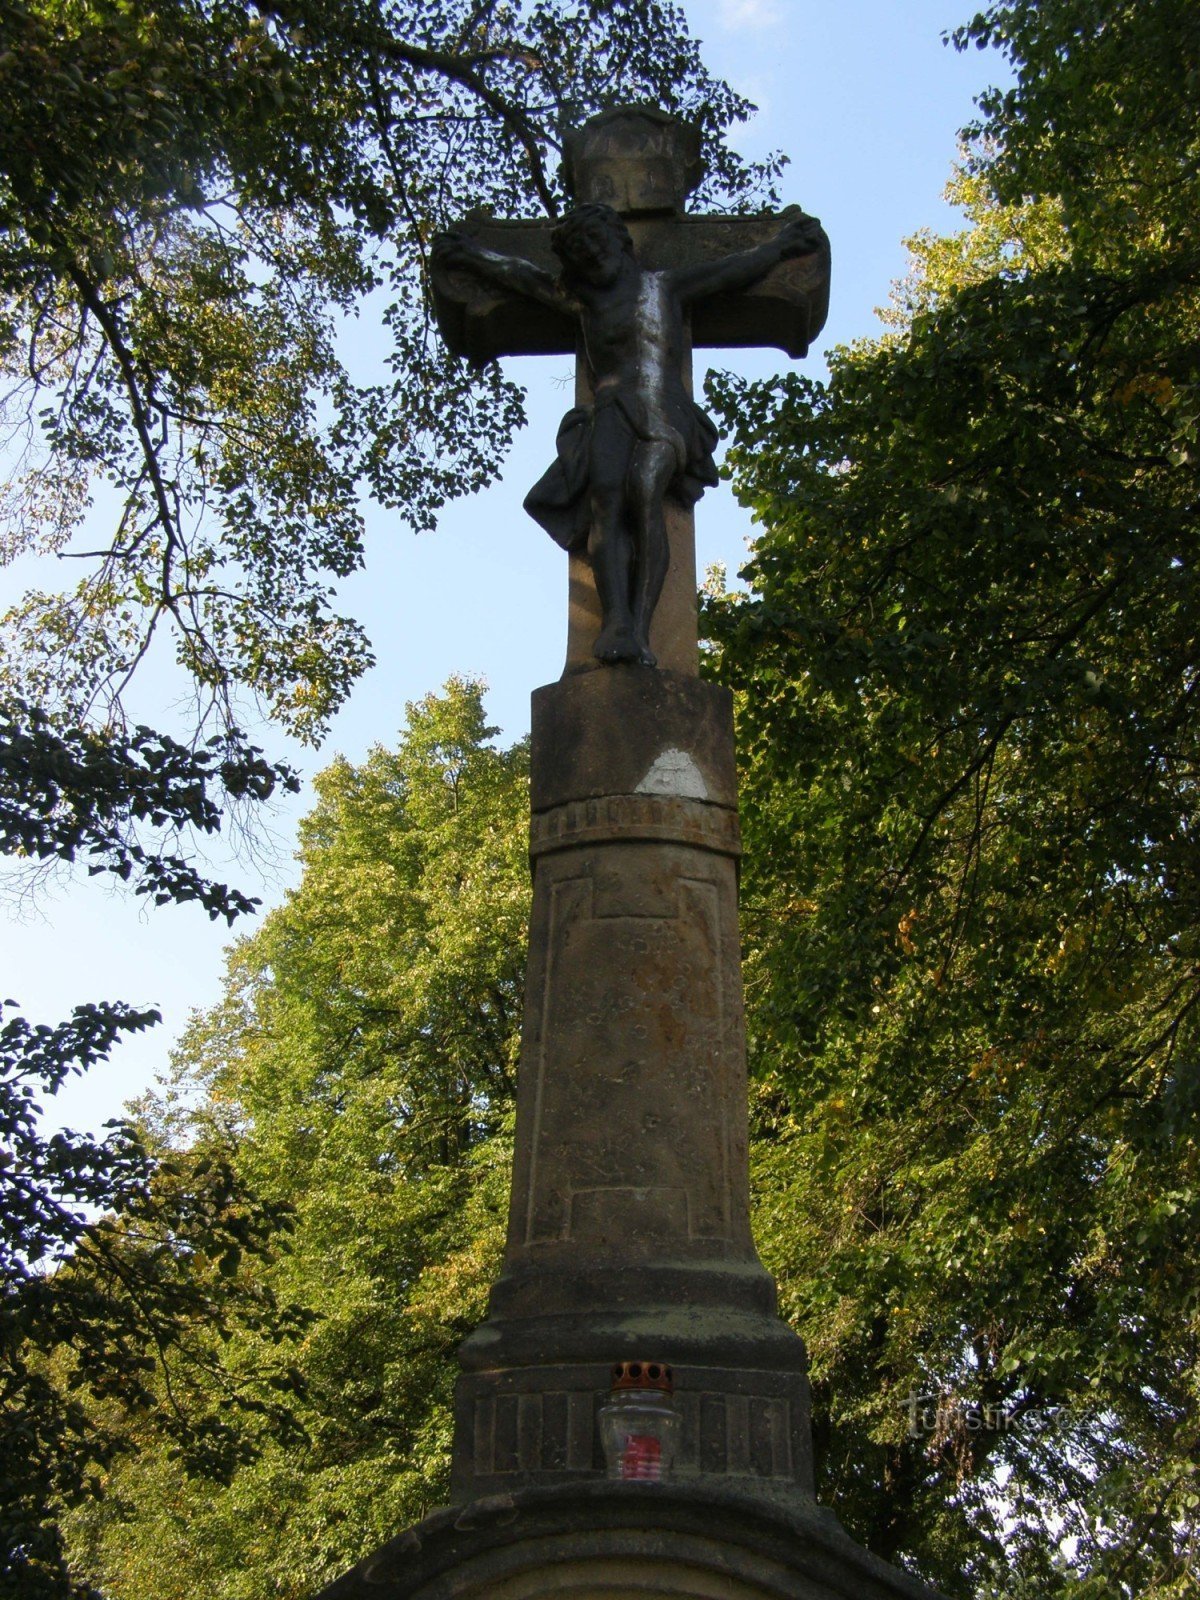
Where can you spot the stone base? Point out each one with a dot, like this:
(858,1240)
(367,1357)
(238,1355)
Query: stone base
(528,1400)
(626,1541)
(629,1235)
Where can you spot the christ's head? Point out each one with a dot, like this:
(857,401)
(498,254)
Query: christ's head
(592,243)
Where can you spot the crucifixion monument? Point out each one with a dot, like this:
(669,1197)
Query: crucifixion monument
(638,438)
(628,283)
(629,1262)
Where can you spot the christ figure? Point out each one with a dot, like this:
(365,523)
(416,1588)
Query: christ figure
(642,437)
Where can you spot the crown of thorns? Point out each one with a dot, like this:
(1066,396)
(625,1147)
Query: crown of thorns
(575,221)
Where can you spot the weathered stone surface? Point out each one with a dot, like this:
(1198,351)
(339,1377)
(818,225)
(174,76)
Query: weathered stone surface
(638,816)
(629,731)
(634,1087)
(617,1541)
(634,158)
(536,1424)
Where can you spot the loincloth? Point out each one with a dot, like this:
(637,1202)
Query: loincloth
(559,500)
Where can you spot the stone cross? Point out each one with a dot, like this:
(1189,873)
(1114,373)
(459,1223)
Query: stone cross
(629,1250)
(629,1224)
(501,288)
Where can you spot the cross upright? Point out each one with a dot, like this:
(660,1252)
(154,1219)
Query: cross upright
(630,284)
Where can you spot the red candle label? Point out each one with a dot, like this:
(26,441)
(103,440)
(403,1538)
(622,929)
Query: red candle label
(642,1457)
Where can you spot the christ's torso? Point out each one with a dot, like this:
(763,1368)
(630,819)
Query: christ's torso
(633,337)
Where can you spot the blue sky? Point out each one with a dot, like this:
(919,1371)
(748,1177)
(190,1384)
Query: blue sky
(866,101)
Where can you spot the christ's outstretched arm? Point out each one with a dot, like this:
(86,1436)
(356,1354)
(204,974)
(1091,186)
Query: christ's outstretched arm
(458,252)
(800,236)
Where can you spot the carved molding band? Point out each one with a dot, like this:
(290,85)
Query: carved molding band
(615,818)
(556,1432)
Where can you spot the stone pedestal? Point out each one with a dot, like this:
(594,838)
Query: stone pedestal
(629,1232)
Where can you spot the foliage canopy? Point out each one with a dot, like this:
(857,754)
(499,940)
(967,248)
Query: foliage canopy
(361,1067)
(968,675)
(121,1278)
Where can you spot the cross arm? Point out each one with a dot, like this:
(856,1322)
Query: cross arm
(799,235)
(457,250)
(783,304)
(496,291)
(783,307)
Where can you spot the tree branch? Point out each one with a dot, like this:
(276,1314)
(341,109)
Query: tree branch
(141,420)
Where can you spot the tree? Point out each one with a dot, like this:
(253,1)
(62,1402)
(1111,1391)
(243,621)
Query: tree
(106,1322)
(361,1065)
(967,673)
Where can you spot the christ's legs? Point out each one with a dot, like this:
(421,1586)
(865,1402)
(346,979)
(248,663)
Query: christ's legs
(651,470)
(610,543)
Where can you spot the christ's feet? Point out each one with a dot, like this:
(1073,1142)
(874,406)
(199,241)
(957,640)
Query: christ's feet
(617,644)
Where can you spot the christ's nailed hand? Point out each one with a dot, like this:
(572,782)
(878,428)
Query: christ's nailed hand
(453,249)
(799,237)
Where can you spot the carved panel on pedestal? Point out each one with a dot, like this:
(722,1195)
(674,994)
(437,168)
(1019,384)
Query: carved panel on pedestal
(630,1133)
